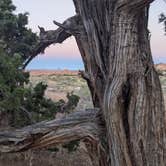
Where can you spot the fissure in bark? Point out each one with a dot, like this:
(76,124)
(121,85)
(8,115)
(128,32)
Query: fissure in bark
(121,75)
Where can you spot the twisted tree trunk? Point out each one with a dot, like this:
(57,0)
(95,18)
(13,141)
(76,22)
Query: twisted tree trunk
(113,40)
(121,76)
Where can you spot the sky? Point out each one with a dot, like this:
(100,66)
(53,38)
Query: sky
(66,55)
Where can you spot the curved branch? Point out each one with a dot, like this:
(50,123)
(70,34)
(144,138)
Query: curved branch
(46,38)
(76,126)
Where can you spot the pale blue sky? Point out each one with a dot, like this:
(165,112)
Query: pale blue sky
(66,55)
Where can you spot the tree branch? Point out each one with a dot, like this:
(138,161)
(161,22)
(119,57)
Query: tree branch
(46,38)
(76,126)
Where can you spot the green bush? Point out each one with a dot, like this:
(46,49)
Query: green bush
(24,104)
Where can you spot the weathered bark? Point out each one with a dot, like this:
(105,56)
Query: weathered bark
(124,84)
(113,40)
(81,125)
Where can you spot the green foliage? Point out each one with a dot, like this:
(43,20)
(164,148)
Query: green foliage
(12,79)
(72,100)
(40,107)
(15,37)
(25,104)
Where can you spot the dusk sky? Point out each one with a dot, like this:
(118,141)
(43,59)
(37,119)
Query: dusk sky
(66,55)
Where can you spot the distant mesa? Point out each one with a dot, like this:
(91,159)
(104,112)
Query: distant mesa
(159,67)
(53,72)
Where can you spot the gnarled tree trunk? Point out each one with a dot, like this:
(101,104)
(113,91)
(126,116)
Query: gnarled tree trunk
(121,76)
(113,40)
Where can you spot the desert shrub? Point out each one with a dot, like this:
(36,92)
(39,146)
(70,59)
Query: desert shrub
(24,104)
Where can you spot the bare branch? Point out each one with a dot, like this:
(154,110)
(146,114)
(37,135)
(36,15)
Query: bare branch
(42,30)
(60,25)
(76,126)
(46,38)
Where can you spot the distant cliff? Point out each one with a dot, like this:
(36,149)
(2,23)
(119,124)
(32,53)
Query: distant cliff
(53,72)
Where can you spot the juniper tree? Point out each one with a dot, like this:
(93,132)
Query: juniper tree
(22,103)
(128,128)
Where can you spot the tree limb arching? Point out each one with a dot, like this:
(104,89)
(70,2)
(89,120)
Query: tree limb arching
(81,125)
(46,38)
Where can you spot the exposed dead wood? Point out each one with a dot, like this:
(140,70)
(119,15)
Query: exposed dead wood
(46,38)
(77,126)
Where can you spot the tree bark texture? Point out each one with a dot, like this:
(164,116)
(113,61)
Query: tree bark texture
(113,40)
(81,125)
(119,69)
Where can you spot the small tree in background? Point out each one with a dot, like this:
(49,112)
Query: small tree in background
(15,37)
(24,104)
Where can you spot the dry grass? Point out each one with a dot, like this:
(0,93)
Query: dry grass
(60,85)
(46,158)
